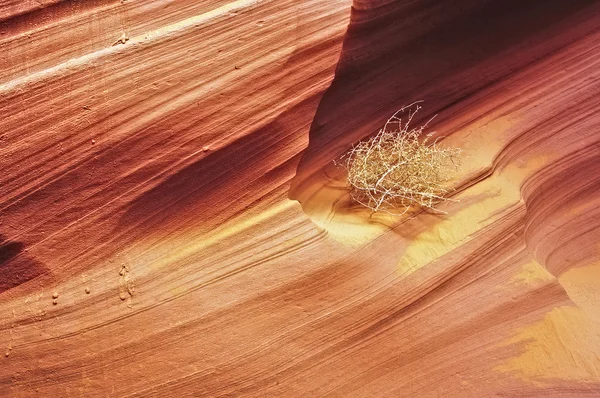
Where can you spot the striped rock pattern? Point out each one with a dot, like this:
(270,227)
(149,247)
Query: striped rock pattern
(172,224)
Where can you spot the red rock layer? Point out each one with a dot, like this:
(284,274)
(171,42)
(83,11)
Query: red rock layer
(172,225)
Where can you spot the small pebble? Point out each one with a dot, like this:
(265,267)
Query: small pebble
(55,301)
(93,142)
(55,295)
(205,149)
(87,290)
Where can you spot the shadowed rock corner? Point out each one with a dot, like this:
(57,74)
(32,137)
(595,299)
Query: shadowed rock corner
(16,267)
(373,77)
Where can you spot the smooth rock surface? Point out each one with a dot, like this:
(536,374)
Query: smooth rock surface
(172,224)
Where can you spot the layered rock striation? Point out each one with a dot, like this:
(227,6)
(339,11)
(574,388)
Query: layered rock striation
(172,223)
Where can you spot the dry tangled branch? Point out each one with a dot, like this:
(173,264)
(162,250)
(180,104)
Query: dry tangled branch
(397,169)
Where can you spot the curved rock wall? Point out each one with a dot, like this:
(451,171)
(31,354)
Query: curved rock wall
(171,222)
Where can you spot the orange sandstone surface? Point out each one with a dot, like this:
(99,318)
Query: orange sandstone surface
(172,224)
